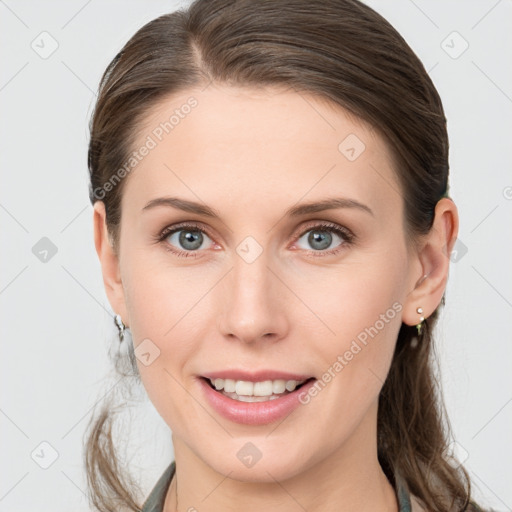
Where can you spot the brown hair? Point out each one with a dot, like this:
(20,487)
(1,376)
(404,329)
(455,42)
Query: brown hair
(346,53)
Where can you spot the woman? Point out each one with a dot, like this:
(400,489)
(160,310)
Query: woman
(271,214)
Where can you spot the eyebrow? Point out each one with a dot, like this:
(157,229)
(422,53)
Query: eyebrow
(182,204)
(295,211)
(327,204)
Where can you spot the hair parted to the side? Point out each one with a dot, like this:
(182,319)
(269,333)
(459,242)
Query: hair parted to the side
(341,51)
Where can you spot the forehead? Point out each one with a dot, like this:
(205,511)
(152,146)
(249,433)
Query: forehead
(228,142)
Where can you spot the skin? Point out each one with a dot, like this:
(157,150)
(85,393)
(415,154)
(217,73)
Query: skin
(252,154)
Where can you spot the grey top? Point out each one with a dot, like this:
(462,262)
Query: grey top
(155,501)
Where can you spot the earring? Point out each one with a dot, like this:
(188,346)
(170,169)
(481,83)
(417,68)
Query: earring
(415,339)
(121,327)
(419,311)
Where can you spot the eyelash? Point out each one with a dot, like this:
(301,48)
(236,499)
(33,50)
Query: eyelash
(342,232)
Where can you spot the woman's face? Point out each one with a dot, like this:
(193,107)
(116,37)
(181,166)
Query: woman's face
(259,283)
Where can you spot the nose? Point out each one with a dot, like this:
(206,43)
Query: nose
(252,303)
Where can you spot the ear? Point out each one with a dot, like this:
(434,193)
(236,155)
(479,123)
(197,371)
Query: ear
(433,260)
(109,261)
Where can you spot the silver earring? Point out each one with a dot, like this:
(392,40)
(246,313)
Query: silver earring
(121,327)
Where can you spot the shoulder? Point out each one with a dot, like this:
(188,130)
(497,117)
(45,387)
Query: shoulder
(156,499)
(416,506)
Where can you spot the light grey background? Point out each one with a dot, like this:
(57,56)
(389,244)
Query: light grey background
(56,325)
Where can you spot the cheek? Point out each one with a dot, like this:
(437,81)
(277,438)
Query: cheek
(358,317)
(354,362)
(159,295)
(163,310)
(172,306)
(345,300)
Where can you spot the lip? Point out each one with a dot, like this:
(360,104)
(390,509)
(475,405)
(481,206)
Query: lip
(258,376)
(253,413)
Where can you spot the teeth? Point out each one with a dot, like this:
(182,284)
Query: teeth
(258,389)
(243,398)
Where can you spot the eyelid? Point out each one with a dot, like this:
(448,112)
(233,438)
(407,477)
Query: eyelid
(326,225)
(345,233)
(199,226)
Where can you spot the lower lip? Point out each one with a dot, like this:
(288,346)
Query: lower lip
(253,413)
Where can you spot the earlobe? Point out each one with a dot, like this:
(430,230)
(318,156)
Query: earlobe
(109,262)
(434,260)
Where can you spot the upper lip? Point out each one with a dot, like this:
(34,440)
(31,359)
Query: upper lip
(258,376)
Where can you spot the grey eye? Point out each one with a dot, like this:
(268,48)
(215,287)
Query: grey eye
(188,239)
(318,239)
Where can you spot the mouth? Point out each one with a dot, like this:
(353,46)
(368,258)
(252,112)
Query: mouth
(262,391)
(255,402)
